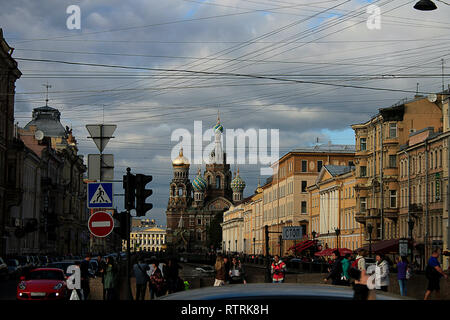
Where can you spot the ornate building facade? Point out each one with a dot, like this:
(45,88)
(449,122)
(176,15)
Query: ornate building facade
(196,207)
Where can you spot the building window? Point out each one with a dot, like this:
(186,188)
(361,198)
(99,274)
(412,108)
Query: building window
(393,198)
(304,165)
(393,130)
(363,171)
(363,204)
(363,144)
(303,206)
(199,221)
(319,165)
(351,164)
(304,186)
(218,182)
(392,161)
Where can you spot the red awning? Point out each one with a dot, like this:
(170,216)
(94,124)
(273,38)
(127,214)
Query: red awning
(385,246)
(302,246)
(329,252)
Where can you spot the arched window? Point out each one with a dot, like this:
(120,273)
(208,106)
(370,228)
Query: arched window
(209,180)
(180,191)
(217,182)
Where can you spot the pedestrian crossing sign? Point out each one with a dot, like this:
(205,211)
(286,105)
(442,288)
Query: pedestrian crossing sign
(100,195)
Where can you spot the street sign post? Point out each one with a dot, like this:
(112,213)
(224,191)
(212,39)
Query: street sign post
(403,247)
(101,167)
(101,224)
(100,195)
(292,233)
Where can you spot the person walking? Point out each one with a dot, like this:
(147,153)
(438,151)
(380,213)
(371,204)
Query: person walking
(336,269)
(84,269)
(110,278)
(140,272)
(227,263)
(434,272)
(278,270)
(172,275)
(220,271)
(402,269)
(237,273)
(101,273)
(381,273)
(345,277)
(357,272)
(157,283)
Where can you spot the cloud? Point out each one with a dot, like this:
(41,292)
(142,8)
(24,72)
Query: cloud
(291,43)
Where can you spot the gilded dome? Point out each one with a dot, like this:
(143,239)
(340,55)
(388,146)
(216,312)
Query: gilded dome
(180,160)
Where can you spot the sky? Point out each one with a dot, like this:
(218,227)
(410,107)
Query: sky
(319,70)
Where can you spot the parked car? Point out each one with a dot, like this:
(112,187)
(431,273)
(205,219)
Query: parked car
(3,269)
(43,260)
(43,284)
(14,268)
(35,261)
(25,262)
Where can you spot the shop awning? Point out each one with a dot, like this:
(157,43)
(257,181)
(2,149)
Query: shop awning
(299,247)
(385,246)
(329,252)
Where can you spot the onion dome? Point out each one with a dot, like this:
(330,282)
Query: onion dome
(218,127)
(180,160)
(237,184)
(199,183)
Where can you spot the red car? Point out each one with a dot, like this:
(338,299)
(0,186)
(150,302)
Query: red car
(43,284)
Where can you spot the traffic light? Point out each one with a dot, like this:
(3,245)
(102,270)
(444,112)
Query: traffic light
(124,220)
(142,194)
(129,185)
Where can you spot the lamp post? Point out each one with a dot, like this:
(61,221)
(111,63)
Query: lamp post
(411,227)
(313,233)
(369,230)
(254,247)
(235,245)
(338,232)
(425,5)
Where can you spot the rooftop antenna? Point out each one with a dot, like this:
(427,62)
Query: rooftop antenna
(46,97)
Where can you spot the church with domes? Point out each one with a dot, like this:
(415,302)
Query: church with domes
(193,206)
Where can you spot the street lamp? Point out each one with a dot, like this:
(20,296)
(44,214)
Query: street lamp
(338,232)
(425,5)
(254,248)
(235,246)
(369,230)
(411,227)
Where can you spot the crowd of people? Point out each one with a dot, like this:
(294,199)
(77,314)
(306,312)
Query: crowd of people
(228,271)
(368,278)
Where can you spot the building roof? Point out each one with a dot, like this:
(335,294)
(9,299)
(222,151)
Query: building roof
(47,119)
(147,229)
(338,170)
(327,148)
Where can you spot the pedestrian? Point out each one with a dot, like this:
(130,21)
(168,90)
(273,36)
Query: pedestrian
(381,273)
(227,263)
(402,270)
(101,273)
(157,283)
(434,272)
(140,272)
(110,278)
(336,269)
(237,273)
(172,275)
(220,271)
(278,270)
(84,269)
(345,277)
(357,272)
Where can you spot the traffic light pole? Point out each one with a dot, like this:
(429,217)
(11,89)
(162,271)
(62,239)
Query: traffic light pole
(129,203)
(129,294)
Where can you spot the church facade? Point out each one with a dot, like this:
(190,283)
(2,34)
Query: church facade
(195,207)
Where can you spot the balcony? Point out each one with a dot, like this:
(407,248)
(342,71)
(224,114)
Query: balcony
(391,213)
(361,217)
(416,208)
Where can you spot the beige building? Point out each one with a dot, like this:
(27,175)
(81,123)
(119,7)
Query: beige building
(285,195)
(378,143)
(146,239)
(333,206)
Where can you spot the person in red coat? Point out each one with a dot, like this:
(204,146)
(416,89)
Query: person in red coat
(278,270)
